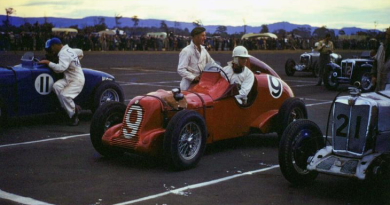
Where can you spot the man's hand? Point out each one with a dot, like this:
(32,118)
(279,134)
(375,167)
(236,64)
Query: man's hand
(44,62)
(196,79)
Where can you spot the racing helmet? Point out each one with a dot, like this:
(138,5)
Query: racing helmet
(240,51)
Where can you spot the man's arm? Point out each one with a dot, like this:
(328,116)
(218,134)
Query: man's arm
(79,53)
(320,46)
(246,85)
(63,64)
(208,58)
(184,59)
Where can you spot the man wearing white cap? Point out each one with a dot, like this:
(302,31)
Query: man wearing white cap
(72,84)
(239,74)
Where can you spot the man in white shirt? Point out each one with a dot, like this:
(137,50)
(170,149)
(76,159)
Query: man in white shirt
(239,74)
(193,58)
(72,84)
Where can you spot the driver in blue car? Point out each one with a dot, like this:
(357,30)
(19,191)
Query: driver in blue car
(72,84)
(239,74)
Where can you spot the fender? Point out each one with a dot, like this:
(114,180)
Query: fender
(264,121)
(356,75)
(333,67)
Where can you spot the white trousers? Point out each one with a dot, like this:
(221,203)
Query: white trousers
(66,92)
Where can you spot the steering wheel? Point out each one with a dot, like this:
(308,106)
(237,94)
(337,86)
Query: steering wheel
(225,75)
(218,69)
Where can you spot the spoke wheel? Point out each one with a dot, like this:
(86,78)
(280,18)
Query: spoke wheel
(190,139)
(109,95)
(185,139)
(365,82)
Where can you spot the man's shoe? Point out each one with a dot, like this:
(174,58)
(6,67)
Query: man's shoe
(77,109)
(74,121)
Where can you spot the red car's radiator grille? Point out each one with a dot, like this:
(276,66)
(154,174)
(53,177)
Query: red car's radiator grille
(132,124)
(124,143)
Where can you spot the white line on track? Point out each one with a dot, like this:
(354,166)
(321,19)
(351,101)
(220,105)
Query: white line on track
(149,84)
(320,103)
(45,140)
(312,99)
(303,85)
(160,82)
(143,70)
(20,199)
(133,74)
(299,81)
(195,186)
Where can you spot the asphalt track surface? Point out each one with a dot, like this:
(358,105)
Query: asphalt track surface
(43,161)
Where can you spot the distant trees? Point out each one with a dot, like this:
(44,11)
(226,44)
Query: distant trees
(304,32)
(281,33)
(117,18)
(341,32)
(135,20)
(322,31)
(9,12)
(264,28)
(222,31)
(100,24)
(176,26)
(164,26)
(243,20)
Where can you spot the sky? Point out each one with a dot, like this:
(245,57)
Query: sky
(330,13)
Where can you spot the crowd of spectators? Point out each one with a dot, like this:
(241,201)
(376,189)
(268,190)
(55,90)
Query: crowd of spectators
(30,41)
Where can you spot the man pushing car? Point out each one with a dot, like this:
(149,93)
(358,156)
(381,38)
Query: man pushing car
(193,58)
(72,84)
(239,74)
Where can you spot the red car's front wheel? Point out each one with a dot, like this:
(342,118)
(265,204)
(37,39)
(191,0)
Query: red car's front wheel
(185,139)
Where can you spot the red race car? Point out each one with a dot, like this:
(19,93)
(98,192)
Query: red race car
(179,124)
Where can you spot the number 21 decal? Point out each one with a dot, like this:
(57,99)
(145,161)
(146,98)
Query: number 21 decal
(339,130)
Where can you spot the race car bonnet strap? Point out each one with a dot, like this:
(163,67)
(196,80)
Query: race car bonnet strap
(164,108)
(203,103)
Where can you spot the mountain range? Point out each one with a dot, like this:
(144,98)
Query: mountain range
(125,21)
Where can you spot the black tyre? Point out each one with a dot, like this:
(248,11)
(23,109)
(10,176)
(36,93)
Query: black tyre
(316,69)
(185,139)
(107,115)
(106,92)
(378,173)
(330,81)
(300,140)
(365,82)
(289,67)
(291,110)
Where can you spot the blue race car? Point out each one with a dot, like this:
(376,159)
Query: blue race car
(26,89)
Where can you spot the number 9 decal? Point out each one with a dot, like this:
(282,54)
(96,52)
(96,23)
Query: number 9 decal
(275,86)
(133,119)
